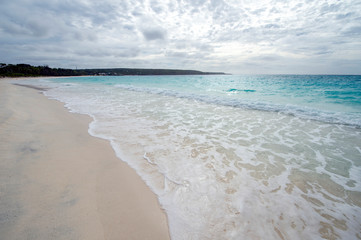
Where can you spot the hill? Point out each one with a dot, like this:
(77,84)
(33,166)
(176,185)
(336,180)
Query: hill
(26,70)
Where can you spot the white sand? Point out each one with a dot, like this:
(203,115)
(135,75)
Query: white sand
(58,182)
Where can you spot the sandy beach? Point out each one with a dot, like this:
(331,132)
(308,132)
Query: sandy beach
(58,182)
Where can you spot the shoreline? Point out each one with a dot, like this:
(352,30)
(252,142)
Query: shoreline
(59,182)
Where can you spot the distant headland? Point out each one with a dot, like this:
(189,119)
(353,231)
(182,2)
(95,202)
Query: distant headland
(26,70)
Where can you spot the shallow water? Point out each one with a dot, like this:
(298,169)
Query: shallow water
(235,157)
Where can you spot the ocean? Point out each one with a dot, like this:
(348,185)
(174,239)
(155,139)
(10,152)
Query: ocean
(234,156)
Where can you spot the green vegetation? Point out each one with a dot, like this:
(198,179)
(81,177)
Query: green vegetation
(26,70)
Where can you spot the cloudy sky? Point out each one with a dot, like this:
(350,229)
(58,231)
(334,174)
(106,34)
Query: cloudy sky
(235,36)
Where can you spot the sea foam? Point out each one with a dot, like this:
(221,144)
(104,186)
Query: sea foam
(224,167)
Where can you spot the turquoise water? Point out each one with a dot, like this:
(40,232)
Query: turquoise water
(235,157)
(329,98)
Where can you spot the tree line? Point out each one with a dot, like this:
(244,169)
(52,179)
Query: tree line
(26,70)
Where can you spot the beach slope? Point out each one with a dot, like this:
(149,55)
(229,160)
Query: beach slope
(58,182)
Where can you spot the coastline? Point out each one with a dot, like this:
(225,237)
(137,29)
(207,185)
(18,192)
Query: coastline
(58,182)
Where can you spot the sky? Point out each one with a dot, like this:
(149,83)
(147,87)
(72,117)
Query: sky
(233,36)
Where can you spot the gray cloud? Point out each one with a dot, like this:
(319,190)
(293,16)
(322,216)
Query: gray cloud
(267,36)
(153,34)
(353,31)
(156,6)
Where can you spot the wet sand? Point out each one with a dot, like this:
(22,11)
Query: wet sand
(58,182)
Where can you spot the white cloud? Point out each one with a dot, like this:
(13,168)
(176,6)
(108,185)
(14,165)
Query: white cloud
(238,36)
